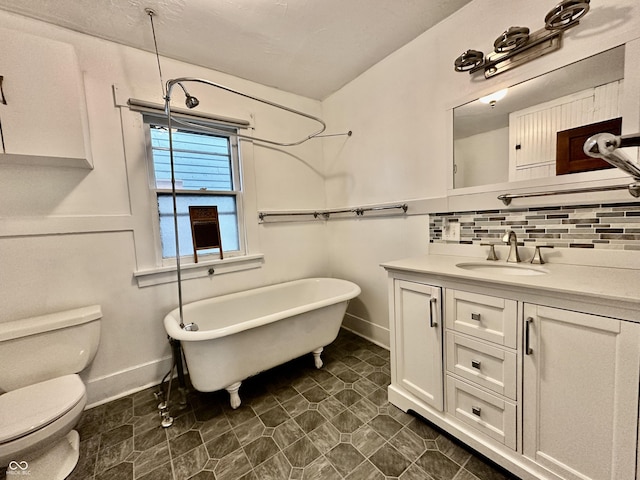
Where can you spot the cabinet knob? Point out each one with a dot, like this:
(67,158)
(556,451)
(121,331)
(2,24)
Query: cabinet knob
(475,316)
(475,364)
(476,411)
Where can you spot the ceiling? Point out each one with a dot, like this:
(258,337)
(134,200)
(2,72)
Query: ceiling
(308,47)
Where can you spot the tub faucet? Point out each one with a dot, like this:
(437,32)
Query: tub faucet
(511,238)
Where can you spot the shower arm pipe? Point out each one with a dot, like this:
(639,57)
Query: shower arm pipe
(175,210)
(629,140)
(171,83)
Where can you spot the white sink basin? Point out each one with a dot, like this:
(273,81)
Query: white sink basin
(503,268)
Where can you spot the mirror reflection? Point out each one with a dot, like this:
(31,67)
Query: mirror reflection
(532,130)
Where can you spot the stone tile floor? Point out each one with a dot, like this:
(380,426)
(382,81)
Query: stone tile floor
(295,422)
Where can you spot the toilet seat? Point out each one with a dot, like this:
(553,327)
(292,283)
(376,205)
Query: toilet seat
(28,409)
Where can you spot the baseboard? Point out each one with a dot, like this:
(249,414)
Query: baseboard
(372,332)
(125,382)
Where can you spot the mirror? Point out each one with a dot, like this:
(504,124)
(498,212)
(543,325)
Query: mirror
(514,138)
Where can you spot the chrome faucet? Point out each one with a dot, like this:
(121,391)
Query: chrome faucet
(511,238)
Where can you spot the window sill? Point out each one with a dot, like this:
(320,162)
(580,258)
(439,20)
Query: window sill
(158,276)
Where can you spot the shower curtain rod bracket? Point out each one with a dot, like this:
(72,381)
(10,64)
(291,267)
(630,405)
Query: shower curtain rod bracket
(346,134)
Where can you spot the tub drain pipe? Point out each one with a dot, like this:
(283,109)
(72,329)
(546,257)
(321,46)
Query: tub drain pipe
(167,419)
(176,351)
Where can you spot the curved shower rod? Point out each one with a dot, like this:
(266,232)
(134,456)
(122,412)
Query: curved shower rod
(192,102)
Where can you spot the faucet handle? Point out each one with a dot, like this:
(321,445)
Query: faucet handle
(492,251)
(537,256)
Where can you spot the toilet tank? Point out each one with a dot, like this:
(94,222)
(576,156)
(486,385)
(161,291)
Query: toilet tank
(40,348)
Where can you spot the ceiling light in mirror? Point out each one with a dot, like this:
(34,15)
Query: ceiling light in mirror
(493,98)
(489,148)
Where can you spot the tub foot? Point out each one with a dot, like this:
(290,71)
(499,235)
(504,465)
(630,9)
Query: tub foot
(316,357)
(234,398)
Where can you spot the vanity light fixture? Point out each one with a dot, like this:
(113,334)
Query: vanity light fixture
(517,46)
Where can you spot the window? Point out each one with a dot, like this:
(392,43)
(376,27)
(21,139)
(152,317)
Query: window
(206,170)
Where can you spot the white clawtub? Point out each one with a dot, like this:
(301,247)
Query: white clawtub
(244,333)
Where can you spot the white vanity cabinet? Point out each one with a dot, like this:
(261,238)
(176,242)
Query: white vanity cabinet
(417,336)
(43,114)
(543,384)
(580,393)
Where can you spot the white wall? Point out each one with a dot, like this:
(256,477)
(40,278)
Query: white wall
(73,237)
(401,148)
(482,159)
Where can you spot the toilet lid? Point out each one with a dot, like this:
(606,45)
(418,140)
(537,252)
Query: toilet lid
(30,408)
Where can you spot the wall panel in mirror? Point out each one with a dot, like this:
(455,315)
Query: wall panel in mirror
(515,138)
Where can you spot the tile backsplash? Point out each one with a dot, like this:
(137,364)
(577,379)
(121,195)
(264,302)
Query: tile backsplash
(604,226)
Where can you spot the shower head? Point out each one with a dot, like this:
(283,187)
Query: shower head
(190,101)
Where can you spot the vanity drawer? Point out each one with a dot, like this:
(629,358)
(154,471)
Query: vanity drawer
(489,318)
(490,367)
(484,412)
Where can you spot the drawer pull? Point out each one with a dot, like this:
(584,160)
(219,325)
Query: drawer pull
(475,316)
(476,411)
(475,364)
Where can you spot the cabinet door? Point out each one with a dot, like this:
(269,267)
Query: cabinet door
(580,393)
(418,338)
(45,113)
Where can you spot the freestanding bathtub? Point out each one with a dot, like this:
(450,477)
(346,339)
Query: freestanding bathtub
(244,333)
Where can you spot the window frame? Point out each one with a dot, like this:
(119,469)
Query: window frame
(236,192)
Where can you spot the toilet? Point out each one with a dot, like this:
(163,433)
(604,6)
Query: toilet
(41,395)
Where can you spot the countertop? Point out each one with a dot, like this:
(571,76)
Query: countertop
(614,286)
